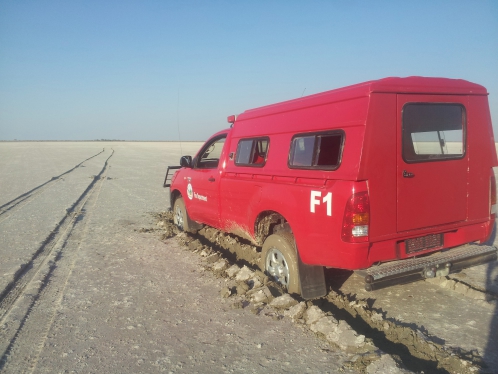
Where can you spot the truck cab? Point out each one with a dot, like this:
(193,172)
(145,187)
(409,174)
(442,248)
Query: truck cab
(392,178)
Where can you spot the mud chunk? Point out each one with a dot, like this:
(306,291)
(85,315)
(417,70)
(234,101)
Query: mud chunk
(275,289)
(225,292)
(443,281)
(296,312)
(422,336)
(377,317)
(244,274)
(232,270)
(204,253)
(220,265)
(242,288)
(450,284)
(345,337)
(360,304)
(238,305)
(193,245)
(313,314)
(261,275)
(435,280)
(262,295)
(169,232)
(325,325)
(259,297)
(212,258)
(283,302)
(385,365)
(254,282)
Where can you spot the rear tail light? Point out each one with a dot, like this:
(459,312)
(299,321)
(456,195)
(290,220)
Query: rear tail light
(492,190)
(356,218)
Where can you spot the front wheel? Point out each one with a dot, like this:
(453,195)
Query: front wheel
(180,216)
(279,260)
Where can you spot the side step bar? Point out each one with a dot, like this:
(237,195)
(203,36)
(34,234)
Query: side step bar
(430,266)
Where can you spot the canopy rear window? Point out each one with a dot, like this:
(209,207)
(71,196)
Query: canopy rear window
(433,132)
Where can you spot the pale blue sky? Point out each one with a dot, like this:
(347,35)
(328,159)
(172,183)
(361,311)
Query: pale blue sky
(114,69)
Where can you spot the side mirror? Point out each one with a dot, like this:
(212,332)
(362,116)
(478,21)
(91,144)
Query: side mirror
(186,161)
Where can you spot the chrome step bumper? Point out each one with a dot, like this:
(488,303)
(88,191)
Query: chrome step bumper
(437,264)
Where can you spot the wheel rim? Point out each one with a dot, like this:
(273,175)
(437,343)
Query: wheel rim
(276,266)
(179,217)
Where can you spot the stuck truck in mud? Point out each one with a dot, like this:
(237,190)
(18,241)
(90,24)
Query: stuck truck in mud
(392,178)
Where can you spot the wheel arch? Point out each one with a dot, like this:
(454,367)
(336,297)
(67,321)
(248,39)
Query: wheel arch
(269,222)
(173,195)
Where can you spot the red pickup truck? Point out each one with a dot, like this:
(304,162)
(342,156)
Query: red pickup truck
(391,177)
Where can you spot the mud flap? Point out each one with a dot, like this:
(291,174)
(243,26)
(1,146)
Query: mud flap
(311,280)
(194,225)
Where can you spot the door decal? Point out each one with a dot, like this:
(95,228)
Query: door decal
(190,191)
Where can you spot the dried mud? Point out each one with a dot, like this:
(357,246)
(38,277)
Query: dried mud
(408,347)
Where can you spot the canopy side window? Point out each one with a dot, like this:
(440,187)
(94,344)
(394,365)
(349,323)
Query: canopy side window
(317,150)
(252,152)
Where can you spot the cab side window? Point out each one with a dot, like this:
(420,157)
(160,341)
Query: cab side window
(210,154)
(316,151)
(252,152)
(433,132)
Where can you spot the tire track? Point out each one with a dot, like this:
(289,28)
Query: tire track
(27,341)
(8,208)
(47,273)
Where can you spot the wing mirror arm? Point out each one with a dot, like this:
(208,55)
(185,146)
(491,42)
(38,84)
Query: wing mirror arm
(186,161)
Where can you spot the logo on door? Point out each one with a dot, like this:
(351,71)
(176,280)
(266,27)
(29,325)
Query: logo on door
(190,191)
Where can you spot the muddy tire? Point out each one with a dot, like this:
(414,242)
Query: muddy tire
(279,260)
(180,216)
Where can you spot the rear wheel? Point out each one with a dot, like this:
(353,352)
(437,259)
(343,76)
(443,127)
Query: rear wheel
(279,260)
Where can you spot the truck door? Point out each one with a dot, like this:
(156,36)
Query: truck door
(432,161)
(203,183)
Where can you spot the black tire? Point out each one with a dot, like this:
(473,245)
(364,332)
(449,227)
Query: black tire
(180,216)
(279,260)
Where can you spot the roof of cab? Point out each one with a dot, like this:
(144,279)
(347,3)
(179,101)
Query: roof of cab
(413,85)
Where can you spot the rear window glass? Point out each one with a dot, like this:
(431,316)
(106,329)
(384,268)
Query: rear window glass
(317,151)
(433,132)
(252,152)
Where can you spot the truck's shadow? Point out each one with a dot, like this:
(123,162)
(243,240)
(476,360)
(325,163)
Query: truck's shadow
(337,277)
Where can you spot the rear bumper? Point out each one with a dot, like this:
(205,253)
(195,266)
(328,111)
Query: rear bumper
(436,264)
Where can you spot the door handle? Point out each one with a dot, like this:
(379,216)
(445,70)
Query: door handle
(407,174)
(211,179)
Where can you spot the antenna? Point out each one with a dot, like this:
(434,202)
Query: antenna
(303,92)
(178,120)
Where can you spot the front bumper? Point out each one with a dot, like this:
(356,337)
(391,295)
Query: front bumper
(437,264)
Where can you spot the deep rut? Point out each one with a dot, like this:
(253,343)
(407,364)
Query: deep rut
(413,346)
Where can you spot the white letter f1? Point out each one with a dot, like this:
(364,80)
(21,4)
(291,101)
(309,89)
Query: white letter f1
(314,201)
